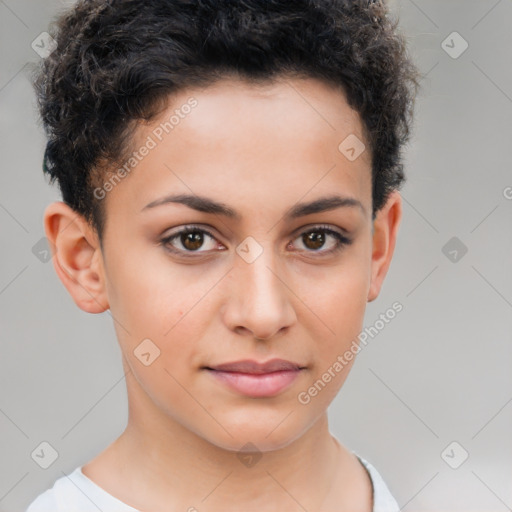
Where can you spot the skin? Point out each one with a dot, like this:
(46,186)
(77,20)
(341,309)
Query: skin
(259,150)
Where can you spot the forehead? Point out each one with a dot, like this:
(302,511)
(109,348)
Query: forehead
(302,106)
(249,141)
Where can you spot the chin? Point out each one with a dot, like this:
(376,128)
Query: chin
(254,430)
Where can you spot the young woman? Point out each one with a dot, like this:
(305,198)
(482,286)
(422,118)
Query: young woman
(230,175)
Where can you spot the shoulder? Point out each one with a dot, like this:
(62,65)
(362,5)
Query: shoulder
(383,500)
(60,496)
(52,499)
(44,503)
(78,493)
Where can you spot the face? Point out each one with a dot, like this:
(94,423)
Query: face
(242,235)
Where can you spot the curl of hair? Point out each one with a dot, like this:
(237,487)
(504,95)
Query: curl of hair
(117,61)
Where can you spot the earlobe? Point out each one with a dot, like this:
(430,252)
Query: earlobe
(76,257)
(385,232)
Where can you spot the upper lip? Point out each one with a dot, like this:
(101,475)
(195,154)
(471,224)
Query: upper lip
(251,366)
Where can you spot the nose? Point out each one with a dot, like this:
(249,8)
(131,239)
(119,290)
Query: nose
(259,302)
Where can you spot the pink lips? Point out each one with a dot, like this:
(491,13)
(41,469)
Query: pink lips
(257,379)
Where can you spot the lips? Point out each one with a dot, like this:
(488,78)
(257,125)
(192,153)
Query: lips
(253,367)
(256,379)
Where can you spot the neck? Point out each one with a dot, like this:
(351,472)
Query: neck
(158,461)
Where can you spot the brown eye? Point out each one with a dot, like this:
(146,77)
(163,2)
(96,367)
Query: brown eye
(191,239)
(315,239)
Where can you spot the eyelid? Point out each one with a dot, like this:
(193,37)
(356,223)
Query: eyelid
(327,227)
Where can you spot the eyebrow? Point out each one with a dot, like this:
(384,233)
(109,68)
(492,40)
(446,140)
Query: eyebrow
(207,205)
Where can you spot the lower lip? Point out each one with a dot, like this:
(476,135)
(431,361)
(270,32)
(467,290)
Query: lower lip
(257,385)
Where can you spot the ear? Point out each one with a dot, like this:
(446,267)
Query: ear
(76,255)
(385,231)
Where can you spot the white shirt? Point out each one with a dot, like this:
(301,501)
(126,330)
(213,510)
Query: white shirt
(77,493)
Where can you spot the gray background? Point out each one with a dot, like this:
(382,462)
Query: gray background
(439,372)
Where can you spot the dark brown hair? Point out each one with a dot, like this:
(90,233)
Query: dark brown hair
(117,61)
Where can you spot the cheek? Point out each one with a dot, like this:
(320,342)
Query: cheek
(339,306)
(147,291)
(167,305)
(341,296)
(346,305)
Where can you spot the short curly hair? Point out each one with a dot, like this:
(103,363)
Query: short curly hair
(117,61)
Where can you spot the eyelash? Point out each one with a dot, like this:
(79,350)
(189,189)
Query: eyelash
(341,240)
